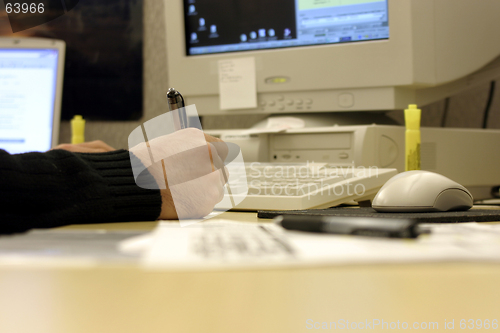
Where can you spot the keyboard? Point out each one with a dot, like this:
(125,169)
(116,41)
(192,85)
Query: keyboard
(296,186)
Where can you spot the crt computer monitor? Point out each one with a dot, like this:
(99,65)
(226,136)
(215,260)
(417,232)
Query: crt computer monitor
(338,55)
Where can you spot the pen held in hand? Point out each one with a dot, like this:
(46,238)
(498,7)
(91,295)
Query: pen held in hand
(176,104)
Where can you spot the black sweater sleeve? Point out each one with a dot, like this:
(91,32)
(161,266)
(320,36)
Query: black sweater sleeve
(44,190)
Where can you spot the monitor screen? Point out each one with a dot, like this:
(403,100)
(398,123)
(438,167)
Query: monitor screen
(238,25)
(28,79)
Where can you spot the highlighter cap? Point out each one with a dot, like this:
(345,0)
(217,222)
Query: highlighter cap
(412,117)
(78,123)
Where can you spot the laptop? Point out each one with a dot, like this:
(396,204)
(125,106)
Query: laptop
(31,80)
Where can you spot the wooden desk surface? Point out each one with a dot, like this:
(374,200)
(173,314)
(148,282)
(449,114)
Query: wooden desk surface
(119,298)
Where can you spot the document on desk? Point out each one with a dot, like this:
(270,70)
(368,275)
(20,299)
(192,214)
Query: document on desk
(217,244)
(67,248)
(222,244)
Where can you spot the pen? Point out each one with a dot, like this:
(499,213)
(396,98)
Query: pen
(176,102)
(350,225)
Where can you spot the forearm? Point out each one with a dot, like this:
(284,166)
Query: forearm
(41,190)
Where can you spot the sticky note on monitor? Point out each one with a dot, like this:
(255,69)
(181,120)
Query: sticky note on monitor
(237,83)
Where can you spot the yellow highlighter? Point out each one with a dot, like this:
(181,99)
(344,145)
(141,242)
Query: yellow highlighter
(412,138)
(77,129)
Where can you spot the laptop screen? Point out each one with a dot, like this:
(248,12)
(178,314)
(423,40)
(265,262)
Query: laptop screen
(28,81)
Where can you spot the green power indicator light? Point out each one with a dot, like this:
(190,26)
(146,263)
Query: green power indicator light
(278,79)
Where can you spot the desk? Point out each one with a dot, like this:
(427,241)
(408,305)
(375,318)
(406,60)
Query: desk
(124,298)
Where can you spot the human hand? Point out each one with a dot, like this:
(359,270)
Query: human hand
(96,146)
(188,168)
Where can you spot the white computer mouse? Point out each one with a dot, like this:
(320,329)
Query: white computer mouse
(421,191)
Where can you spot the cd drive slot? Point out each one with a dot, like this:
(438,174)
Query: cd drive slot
(312,141)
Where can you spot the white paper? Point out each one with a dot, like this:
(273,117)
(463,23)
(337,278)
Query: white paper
(222,244)
(217,244)
(265,130)
(276,125)
(290,122)
(237,83)
(136,244)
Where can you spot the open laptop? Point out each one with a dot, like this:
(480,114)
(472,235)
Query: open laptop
(31,79)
